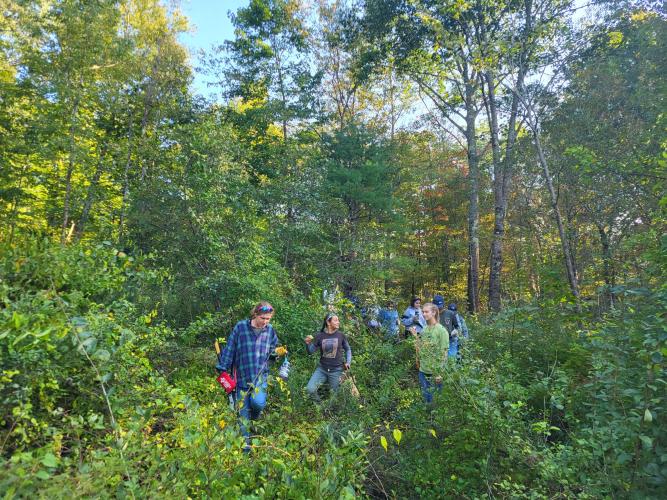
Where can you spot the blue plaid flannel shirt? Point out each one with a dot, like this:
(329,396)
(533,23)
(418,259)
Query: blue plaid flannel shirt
(248,352)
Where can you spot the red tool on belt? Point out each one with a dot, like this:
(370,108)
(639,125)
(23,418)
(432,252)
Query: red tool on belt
(227,382)
(225,379)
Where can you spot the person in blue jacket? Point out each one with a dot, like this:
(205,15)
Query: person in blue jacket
(389,321)
(413,318)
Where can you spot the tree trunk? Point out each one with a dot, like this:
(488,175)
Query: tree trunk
(446,261)
(90,195)
(502,169)
(473,209)
(68,175)
(126,183)
(607,269)
(567,254)
(499,197)
(15,205)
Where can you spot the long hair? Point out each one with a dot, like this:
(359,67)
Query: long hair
(327,318)
(262,308)
(434,308)
(414,299)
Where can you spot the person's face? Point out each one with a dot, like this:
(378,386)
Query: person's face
(428,313)
(262,320)
(418,304)
(334,323)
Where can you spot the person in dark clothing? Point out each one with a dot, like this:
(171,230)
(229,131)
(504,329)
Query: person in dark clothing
(458,330)
(439,302)
(335,355)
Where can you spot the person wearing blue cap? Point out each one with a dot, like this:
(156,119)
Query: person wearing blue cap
(439,301)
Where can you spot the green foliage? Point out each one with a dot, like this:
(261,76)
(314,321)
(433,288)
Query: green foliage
(175,216)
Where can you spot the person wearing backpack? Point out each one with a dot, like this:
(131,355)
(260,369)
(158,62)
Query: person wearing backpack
(335,355)
(457,328)
(247,352)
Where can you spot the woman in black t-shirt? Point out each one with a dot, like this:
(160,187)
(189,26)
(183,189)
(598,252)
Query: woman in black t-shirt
(333,345)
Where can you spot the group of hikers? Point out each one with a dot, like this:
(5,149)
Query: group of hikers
(244,362)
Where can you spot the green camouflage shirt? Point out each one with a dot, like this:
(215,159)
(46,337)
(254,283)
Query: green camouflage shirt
(433,344)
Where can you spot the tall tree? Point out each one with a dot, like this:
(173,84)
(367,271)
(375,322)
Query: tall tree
(438,46)
(607,133)
(519,37)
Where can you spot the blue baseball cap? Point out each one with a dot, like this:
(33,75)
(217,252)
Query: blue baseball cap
(439,300)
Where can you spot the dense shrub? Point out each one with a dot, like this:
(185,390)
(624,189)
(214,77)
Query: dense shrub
(98,398)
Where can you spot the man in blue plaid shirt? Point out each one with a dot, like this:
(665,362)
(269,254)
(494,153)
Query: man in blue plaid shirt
(252,342)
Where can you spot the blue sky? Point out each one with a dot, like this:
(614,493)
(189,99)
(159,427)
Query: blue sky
(210,26)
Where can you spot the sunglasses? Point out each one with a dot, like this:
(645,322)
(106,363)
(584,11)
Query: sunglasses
(265,309)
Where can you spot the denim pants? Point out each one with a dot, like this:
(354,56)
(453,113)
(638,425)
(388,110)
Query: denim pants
(321,375)
(453,348)
(253,402)
(428,387)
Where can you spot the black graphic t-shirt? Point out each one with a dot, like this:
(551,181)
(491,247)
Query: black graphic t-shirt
(334,349)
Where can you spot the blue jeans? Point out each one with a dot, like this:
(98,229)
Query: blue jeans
(254,401)
(321,375)
(428,387)
(453,348)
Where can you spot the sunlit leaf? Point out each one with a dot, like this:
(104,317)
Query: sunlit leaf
(397,435)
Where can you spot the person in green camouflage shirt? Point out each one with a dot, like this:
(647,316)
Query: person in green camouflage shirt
(432,346)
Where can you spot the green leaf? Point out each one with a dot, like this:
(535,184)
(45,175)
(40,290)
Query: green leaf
(383,442)
(647,416)
(42,474)
(79,321)
(397,435)
(50,460)
(103,355)
(89,345)
(432,431)
(648,442)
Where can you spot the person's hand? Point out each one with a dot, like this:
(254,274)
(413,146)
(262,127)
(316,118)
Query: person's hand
(438,379)
(346,366)
(281,351)
(308,339)
(413,331)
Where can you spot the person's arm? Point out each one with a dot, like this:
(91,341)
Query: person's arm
(464,327)
(273,343)
(228,353)
(407,318)
(348,352)
(312,346)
